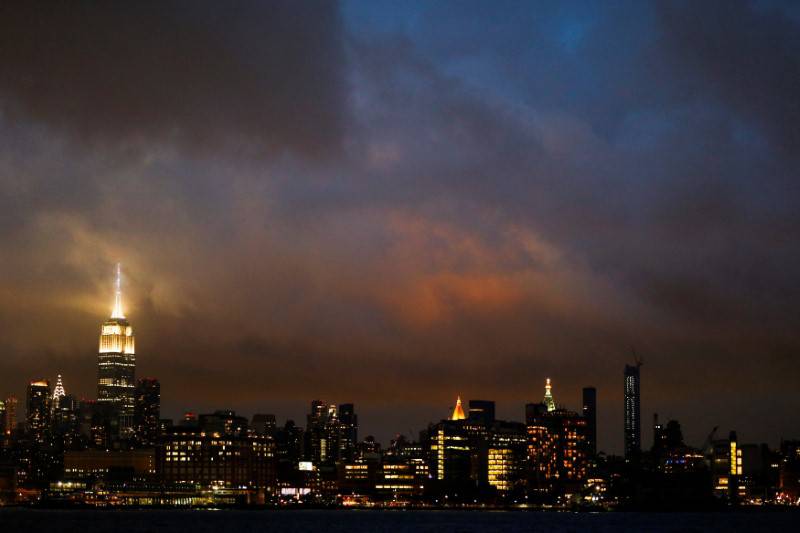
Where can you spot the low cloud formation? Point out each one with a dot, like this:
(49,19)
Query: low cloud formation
(252,77)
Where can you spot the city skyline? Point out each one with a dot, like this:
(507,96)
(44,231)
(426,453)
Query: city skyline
(394,205)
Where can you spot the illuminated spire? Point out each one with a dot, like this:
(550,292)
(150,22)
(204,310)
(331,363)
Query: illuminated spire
(58,393)
(117,313)
(548,396)
(458,412)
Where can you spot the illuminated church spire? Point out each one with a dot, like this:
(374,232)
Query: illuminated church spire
(548,396)
(458,412)
(117,313)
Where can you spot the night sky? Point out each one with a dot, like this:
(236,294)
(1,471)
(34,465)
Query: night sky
(392,203)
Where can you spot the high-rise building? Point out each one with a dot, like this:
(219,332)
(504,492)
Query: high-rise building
(10,418)
(58,392)
(548,396)
(348,432)
(506,455)
(2,422)
(116,363)
(590,414)
(321,445)
(38,410)
(481,411)
(263,423)
(147,411)
(633,427)
(557,451)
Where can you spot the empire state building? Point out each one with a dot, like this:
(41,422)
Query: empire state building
(116,362)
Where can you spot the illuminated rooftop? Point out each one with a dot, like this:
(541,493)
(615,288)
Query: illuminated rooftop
(458,412)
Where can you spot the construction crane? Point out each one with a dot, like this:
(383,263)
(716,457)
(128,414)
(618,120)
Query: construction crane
(707,445)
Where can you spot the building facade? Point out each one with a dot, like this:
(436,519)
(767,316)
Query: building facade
(633,416)
(116,364)
(147,411)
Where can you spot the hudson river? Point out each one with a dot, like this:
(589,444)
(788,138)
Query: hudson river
(14,520)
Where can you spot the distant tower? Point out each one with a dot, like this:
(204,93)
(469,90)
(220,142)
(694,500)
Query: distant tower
(348,432)
(548,396)
(39,410)
(590,414)
(147,411)
(10,421)
(633,426)
(58,392)
(458,412)
(116,363)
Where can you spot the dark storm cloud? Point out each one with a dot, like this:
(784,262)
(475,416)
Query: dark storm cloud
(257,76)
(522,191)
(749,57)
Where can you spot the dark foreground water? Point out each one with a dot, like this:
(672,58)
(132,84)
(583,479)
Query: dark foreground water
(56,521)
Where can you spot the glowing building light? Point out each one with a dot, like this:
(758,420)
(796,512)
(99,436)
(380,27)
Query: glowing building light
(59,392)
(458,412)
(117,312)
(548,396)
(117,360)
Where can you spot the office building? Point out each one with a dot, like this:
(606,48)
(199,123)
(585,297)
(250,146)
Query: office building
(116,364)
(590,414)
(38,420)
(481,411)
(147,411)
(557,448)
(632,402)
(348,432)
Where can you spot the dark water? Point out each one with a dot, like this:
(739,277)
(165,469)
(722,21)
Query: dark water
(52,521)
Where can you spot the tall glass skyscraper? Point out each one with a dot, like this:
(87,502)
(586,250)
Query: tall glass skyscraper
(633,425)
(116,363)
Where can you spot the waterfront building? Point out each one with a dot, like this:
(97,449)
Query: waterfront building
(557,448)
(205,456)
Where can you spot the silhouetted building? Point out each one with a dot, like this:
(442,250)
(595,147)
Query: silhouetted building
(10,417)
(147,411)
(38,420)
(99,463)
(789,471)
(726,468)
(263,424)
(319,446)
(481,411)
(633,425)
(590,414)
(348,432)
(223,422)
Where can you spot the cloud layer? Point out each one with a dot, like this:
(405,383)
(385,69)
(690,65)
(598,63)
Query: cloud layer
(393,205)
